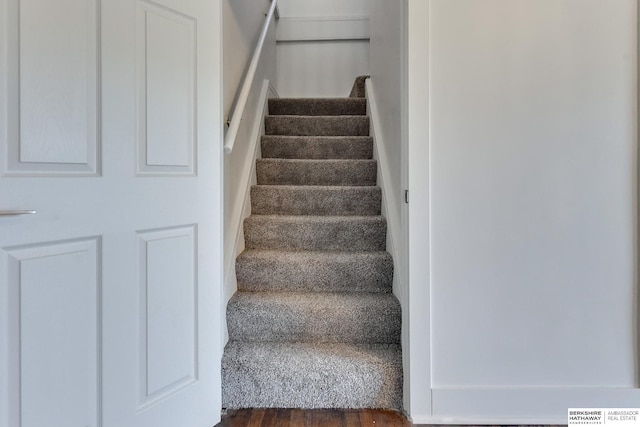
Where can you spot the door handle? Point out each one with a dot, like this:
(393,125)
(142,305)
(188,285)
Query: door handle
(16,212)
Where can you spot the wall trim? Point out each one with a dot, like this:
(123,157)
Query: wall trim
(389,196)
(404,209)
(513,405)
(323,29)
(396,237)
(637,224)
(417,107)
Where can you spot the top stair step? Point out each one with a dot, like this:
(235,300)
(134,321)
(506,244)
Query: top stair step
(318,106)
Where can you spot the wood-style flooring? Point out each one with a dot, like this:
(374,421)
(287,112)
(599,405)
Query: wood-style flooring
(313,418)
(320,418)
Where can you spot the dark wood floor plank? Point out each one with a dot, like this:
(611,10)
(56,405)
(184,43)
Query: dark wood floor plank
(297,417)
(392,418)
(366,418)
(351,419)
(283,417)
(312,418)
(323,418)
(236,418)
(269,418)
(256,418)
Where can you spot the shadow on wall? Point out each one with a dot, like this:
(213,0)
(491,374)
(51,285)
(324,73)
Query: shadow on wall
(242,21)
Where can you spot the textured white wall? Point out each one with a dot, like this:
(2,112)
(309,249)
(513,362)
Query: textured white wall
(386,67)
(418,352)
(316,8)
(529,142)
(533,148)
(322,67)
(386,88)
(243,21)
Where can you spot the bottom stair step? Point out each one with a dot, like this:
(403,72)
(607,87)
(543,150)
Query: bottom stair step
(311,375)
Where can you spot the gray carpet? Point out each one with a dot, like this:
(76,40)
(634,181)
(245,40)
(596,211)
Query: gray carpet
(314,323)
(317,125)
(352,172)
(315,200)
(358,89)
(317,147)
(356,318)
(314,271)
(318,107)
(312,375)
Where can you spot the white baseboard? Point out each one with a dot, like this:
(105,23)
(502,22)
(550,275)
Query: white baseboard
(520,405)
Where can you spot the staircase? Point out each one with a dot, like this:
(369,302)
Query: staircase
(314,323)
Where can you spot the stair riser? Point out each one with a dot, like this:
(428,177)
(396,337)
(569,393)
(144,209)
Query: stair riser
(268,200)
(290,147)
(314,272)
(316,172)
(317,126)
(317,377)
(318,107)
(326,318)
(269,232)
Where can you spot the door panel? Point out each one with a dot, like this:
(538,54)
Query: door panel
(167,76)
(53,84)
(56,325)
(168,313)
(109,309)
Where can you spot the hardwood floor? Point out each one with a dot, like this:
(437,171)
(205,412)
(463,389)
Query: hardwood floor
(313,418)
(324,418)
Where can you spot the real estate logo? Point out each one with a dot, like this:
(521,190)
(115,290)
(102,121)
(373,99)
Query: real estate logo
(626,417)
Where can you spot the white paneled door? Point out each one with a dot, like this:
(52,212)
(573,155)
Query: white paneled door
(110,132)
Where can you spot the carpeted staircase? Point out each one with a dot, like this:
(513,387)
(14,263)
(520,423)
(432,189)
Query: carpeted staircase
(314,323)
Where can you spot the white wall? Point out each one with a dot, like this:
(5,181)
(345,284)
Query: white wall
(308,69)
(243,21)
(322,47)
(315,8)
(386,67)
(532,200)
(386,88)
(418,402)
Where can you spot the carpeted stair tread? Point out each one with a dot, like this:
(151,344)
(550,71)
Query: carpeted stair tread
(317,147)
(314,323)
(324,233)
(318,106)
(311,375)
(316,172)
(314,271)
(315,200)
(314,317)
(317,125)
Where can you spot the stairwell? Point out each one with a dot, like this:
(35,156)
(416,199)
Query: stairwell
(314,323)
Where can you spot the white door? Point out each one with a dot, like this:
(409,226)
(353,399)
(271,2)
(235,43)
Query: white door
(110,129)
